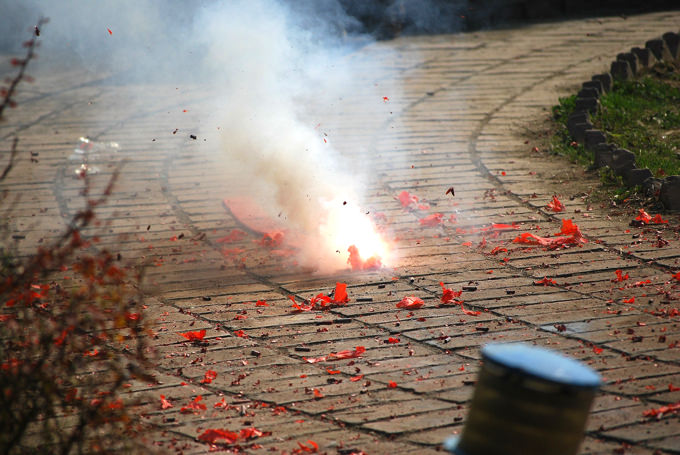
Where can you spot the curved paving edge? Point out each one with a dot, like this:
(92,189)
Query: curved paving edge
(626,66)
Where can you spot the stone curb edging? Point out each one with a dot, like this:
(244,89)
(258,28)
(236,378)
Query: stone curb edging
(626,66)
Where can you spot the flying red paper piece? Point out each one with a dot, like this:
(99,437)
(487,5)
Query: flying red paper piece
(410,303)
(346,354)
(555,205)
(392,385)
(109,30)
(449,295)
(194,336)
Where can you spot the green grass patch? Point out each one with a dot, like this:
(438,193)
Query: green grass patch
(642,116)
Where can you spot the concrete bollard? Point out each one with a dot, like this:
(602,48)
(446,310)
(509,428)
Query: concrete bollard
(528,401)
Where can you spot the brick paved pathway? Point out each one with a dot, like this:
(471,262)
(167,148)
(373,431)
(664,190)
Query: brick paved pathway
(463,116)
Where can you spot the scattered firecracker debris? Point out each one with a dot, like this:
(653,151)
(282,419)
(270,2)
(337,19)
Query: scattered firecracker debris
(407,200)
(545,282)
(660,412)
(210,375)
(392,385)
(555,205)
(165,404)
(392,340)
(410,303)
(321,301)
(469,312)
(234,236)
(194,336)
(645,218)
(215,435)
(434,219)
(498,249)
(573,237)
(620,276)
(630,300)
(194,406)
(449,295)
(271,239)
(450,191)
(313,447)
(340,355)
(504,227)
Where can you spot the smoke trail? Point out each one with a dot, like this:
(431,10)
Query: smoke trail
(271,67)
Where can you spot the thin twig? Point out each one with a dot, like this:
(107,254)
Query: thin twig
(30,54)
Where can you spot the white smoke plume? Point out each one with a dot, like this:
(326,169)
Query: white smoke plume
(270,67)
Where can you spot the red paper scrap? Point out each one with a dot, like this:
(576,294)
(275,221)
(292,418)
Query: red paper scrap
(346,354)
(312,448)
(659,412)
(504,227)
(449,295)
(194,336)
(209,376)
(546,282)
(410,303)
(620,276)
(555,205)
(165,404)
(193,406)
